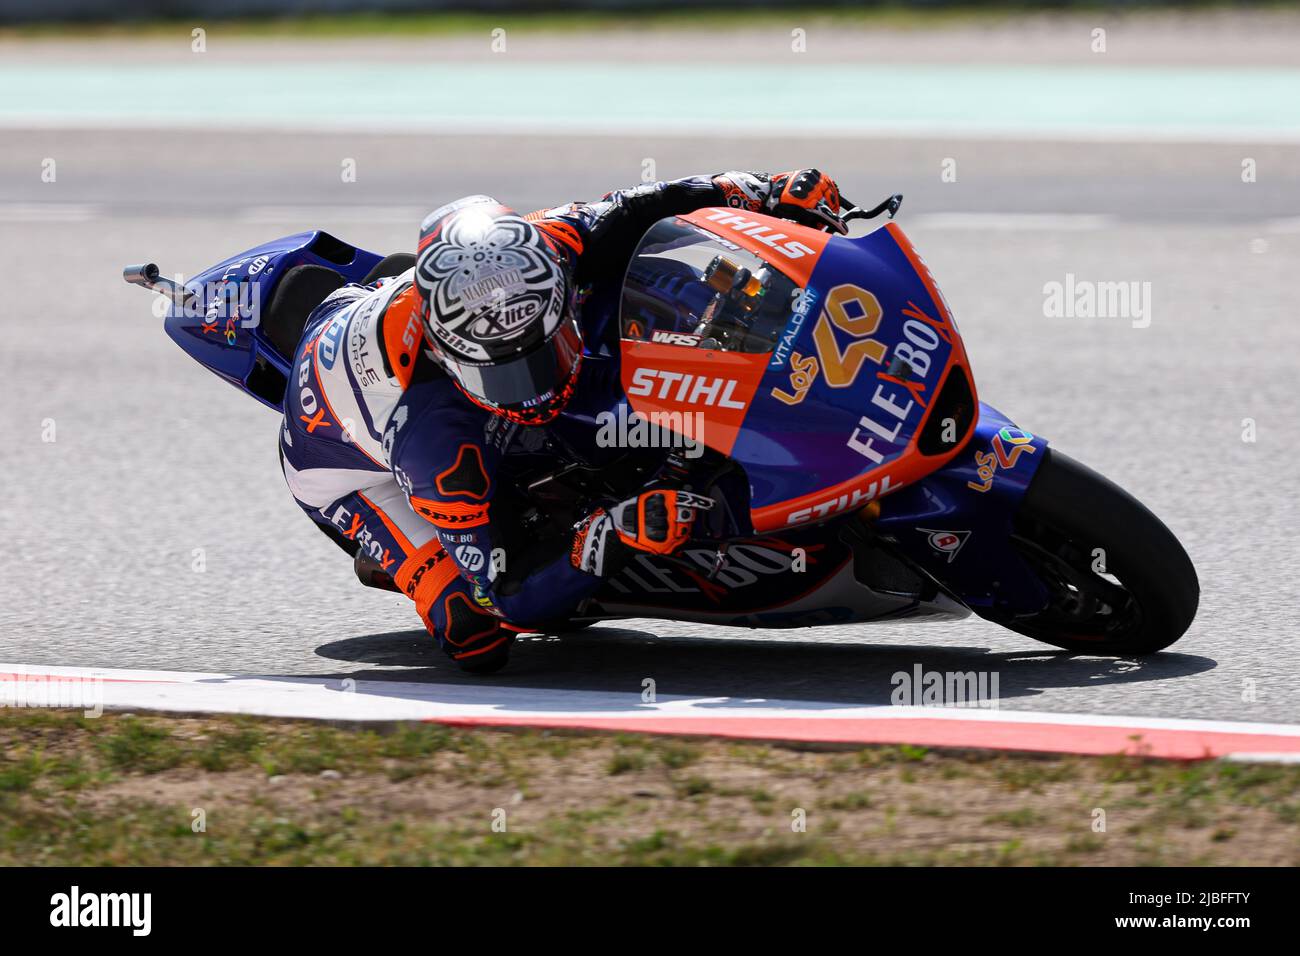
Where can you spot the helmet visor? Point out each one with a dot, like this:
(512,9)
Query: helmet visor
(532,379)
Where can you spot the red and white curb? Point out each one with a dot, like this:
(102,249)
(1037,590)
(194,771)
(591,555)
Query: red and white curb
(322,698)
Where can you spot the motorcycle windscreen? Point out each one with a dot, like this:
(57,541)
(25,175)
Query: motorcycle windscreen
(685,286)
(699,318)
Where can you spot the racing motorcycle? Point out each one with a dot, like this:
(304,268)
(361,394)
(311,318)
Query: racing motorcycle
(815,387)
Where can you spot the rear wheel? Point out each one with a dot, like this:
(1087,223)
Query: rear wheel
(1118,580)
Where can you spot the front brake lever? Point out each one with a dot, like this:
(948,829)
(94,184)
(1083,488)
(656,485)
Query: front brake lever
(890,206)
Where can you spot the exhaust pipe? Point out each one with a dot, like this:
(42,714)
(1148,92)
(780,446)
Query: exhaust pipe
(148,277)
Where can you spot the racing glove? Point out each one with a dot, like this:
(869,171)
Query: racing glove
(806,196)
(657,521)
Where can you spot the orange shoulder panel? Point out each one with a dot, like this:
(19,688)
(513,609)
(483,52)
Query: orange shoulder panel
(403,333)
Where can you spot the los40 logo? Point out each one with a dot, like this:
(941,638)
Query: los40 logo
(857,313)
(1008,445)
(852,310)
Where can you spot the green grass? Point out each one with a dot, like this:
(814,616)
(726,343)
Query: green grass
(124,790)
(1018,818)
(335,26)
(854,800)
(625,761)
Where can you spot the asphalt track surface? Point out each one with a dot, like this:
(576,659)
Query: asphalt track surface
(154,458)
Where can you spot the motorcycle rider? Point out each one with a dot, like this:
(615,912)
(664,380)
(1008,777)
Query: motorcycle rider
(406,396)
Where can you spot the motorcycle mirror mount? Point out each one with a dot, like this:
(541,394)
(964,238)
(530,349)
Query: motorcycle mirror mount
(148,277)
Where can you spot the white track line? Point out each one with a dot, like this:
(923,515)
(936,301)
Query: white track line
(445,128)
(322,698)
(1013,221)
(49,212)
(310,215)
(1283,758)
(340,213)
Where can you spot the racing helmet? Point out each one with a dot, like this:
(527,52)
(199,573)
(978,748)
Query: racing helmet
(498,306)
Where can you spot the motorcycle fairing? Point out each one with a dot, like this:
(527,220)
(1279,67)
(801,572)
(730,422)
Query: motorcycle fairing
(952,527)
(666,383)
(759,586)
(859,387)
(222,327)
(956,524)
(853,391)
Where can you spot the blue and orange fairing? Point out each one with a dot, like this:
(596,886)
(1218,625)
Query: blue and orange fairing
(866,389)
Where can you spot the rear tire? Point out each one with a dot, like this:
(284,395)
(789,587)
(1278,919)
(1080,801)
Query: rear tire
(1146,594)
